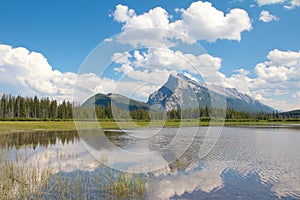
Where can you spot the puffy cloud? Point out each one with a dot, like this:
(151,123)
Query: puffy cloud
(278,78)
(295,3)
(275,81)
(265,16)
(177,60)
(27,69)
(122,13)
(151,26)
(154,18)
(292,4)
(29,73)
(201,21)
(157,64)
(239,80)
(268,2)
(121,57)
(282,66)
(285,58)
(288,4)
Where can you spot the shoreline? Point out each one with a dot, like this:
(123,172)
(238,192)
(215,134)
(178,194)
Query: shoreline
(31,126)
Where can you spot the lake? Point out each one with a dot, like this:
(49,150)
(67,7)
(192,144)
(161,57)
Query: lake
(244,163)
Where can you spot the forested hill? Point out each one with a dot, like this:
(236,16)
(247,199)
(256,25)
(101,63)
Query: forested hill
(34,108)
(291,114)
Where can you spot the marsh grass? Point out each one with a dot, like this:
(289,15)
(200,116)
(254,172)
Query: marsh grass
(17,126)
(127,186)
(25,126)
(18,181)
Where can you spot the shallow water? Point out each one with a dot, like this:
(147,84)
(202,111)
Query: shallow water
(245,162)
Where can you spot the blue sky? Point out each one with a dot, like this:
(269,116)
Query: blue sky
(63,33)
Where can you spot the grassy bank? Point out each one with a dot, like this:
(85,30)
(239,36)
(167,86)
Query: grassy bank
(17,126)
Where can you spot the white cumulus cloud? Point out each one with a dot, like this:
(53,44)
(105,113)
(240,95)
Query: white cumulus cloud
(288,4)
(268,2)
(285,58)
(200,21)
(275,82)
(292,4)
(295,3)
(157,64)
(265,16)
(29,73)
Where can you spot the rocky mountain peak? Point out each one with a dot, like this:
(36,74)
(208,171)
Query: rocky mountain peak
(181,92)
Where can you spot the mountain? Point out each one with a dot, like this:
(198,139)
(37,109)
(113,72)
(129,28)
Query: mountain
(291,114)
(182,92)
(121,102)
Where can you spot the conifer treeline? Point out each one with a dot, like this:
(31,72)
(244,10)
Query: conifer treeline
(34,108)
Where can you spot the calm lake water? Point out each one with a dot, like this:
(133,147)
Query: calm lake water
(245,163)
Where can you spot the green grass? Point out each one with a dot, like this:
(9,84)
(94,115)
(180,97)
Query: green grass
(17,126)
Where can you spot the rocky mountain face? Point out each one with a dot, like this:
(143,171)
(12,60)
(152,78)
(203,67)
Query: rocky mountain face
(182,92)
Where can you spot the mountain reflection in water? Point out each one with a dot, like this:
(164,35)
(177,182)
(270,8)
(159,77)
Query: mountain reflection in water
(246,163)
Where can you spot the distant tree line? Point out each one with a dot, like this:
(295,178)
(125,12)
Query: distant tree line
(34,108)
(228,113)
(18,107)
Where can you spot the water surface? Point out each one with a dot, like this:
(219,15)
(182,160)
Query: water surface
(245,163)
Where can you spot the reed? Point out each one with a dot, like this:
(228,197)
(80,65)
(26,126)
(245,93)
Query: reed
(33,182)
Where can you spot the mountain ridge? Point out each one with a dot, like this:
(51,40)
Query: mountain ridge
(180,92)
(291,113)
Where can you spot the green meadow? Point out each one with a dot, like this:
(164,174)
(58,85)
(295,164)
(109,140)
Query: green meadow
(25,126)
